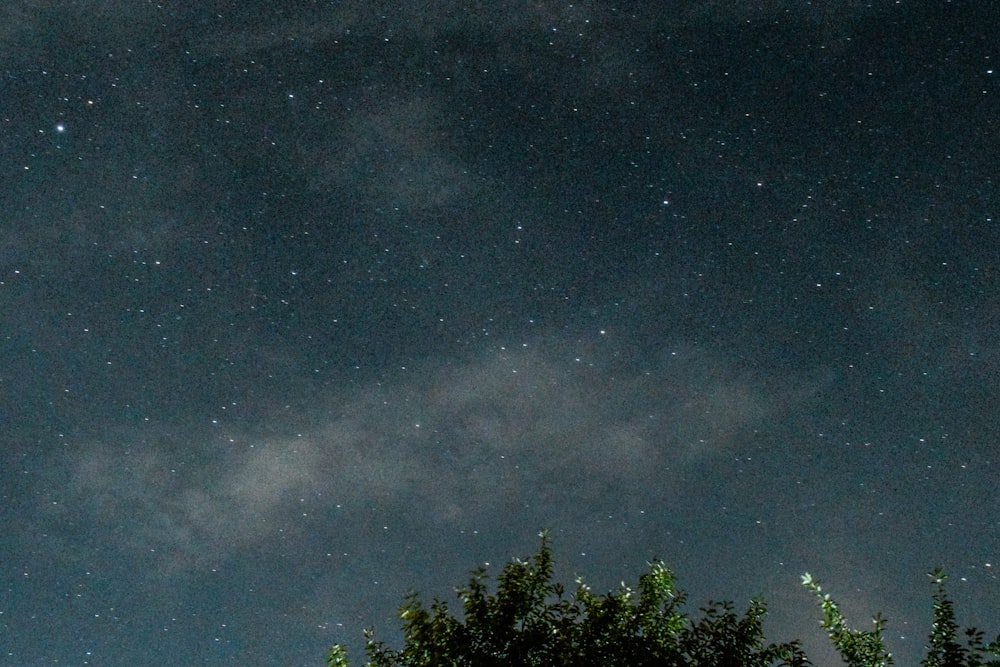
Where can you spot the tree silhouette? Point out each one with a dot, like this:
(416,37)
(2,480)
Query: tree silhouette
(530,621)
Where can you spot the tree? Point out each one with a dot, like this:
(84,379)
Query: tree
(866,649)
(944,649)
(856,647)
(530,621)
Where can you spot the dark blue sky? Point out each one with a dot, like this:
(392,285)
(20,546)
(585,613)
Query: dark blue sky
(308,304)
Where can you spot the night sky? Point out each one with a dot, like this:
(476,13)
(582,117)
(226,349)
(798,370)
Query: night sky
(307,304)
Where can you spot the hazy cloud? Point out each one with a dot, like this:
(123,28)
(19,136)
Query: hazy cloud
(469,441)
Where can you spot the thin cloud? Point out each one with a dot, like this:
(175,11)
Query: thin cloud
(470,441)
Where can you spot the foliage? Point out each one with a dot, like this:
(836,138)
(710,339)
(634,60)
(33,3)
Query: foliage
(857,648)
(944,649)
(866,649)
(530,621)
(337,657)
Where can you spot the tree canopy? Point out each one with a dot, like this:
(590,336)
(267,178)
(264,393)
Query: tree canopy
(531,621)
